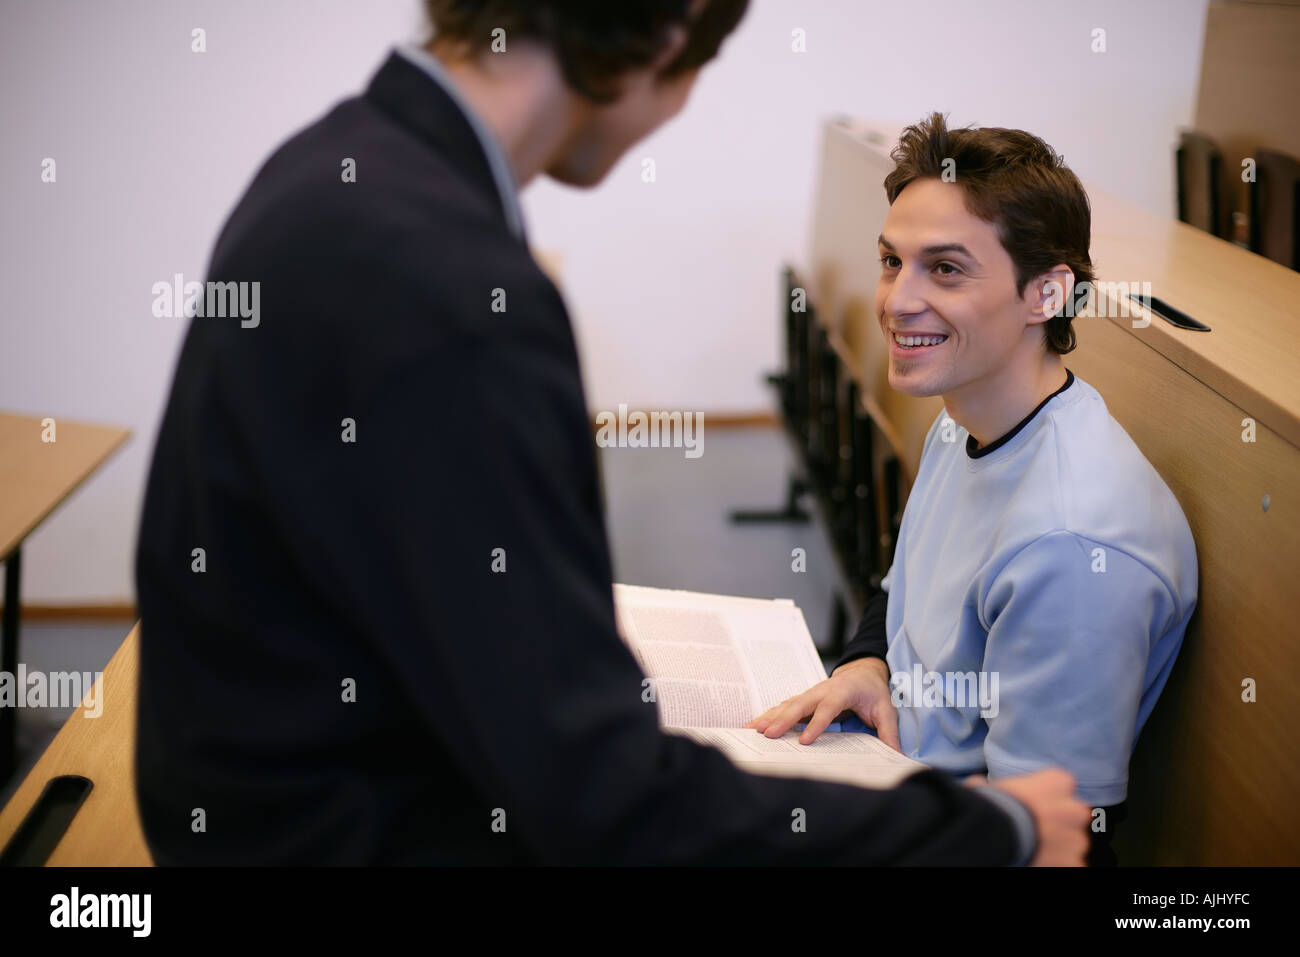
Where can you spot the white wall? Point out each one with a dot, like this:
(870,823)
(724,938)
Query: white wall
(673,284)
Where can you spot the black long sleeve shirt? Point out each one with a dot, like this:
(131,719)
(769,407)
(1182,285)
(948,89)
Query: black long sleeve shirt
(870,640)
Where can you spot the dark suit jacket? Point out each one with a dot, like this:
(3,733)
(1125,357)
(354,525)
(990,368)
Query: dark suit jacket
(482,699)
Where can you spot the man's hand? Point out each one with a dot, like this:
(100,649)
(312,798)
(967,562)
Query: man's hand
(1060,818)
(861,686)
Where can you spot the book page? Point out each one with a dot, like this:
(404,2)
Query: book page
(849,757)
(716,660)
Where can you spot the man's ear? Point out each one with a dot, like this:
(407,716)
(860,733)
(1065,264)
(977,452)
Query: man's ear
(1051,294)
(678,35)
(675,39)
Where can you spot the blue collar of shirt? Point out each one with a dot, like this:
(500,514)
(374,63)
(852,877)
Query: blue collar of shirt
(501,172)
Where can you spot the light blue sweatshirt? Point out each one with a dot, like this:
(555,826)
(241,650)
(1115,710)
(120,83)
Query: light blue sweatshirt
(1055,572)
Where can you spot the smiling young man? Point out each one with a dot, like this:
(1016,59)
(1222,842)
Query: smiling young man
(1039,550)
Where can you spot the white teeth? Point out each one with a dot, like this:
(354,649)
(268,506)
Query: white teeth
(913,341)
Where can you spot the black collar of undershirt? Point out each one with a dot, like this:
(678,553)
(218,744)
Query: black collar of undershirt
(978,453)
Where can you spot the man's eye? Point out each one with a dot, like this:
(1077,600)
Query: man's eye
(948,266)
(888,261)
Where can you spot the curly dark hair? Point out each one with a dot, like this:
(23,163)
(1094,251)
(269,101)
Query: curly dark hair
(1020,184)
(595,41)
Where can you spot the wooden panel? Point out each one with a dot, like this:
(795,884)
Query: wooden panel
(35,476)
(1250,82)
(1214,779)
(845,266)
(849,210)
(101,611)
(106,829)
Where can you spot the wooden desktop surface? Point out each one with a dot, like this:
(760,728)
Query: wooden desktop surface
(35,476)
(1252,305)
(106,829)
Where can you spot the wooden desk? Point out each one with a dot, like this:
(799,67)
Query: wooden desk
(106,830)
(1252,356)
(35,476)
(1215,778)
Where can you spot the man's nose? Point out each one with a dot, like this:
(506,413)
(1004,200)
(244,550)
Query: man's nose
(902,296)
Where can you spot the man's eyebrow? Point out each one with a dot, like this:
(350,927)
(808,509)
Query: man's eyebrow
(933,250)
(948,248)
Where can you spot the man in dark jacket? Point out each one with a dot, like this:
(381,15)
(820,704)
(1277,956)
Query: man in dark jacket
(373,571)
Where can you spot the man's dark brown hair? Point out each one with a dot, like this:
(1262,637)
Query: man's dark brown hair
(1018,183)
(594,40)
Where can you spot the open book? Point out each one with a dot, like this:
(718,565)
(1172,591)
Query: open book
(716,662)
